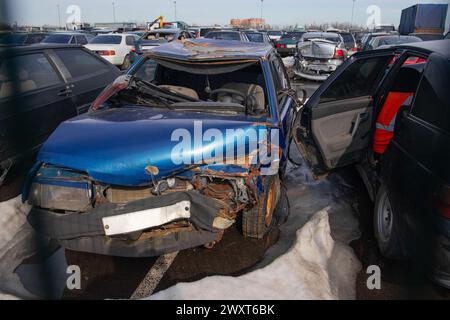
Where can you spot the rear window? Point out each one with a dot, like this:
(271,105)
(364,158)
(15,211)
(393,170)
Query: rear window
(432,101)
(255,37)
(274,33)
(291,35)
(397,40)
(332,38)
(205,31)
(57,38)
(348,38)
(80,63)
(13,39)
(168,36)
(224,36)
(107,40)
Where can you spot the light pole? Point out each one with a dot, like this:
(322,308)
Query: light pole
(175,9)
(262,6)
(114,11)
(353,12)
(59,15)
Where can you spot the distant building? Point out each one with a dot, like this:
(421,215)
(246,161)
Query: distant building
(248,23)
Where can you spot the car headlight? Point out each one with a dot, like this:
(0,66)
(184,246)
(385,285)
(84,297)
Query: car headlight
(61,195)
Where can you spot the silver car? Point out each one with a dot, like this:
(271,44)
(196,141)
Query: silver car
(319,54)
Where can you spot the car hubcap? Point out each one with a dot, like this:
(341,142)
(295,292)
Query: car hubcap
(385,218)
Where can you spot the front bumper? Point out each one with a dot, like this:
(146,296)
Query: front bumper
(90,232)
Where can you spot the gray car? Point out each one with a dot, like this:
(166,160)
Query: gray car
(319,54)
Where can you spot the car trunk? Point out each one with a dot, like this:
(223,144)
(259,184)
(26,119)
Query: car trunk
(317,49)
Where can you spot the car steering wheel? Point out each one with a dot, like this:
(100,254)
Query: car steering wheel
(216,92)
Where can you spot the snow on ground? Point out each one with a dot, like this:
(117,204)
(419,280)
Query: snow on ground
(316,267)
(17,242)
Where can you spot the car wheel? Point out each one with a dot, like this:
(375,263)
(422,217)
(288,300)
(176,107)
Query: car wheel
(126,63)
(386,225)
(258,220)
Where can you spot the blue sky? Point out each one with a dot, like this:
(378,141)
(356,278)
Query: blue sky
(204,12)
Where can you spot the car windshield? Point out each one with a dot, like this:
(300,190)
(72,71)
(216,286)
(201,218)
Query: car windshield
(107,39)
(57,38)
(168,36)
(255,37)
(203,87)
(224,35)
(13,39)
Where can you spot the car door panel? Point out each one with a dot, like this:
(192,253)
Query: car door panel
(342,128)
(335,126)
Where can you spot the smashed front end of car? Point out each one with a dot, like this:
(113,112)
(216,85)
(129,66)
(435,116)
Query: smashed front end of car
(142,180)
(317,59)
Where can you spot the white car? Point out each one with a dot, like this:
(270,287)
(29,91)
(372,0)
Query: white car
(115,48)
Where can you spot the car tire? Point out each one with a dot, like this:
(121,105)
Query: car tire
(386,226)
(258,220)
(126,63)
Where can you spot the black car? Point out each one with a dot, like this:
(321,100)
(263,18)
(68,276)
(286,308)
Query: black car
(228,35)
(68,38)
(41,86)
(387,111)
(22,38)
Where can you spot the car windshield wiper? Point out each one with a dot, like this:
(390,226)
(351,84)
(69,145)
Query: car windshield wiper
(162,92)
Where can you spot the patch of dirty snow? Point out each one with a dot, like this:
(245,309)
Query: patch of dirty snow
(12,216)
(315,267)
(17,242)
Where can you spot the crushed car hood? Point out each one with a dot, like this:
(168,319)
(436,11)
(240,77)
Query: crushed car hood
(115,146)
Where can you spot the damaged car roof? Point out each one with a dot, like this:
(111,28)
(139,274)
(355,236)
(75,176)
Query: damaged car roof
(209,49)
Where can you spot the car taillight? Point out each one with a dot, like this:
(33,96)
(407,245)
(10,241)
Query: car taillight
(443,203)
(107,53)
(414,60)
(133,50)
(355,49)
(338,54)
(280,45)
(119,84)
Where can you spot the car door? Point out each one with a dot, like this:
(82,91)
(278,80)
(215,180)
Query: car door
(87,74)
(33,102)
(285,103)
(335,126)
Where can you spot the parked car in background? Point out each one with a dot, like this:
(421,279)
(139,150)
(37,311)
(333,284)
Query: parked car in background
(116,48)
(286,46)
(368,37)
(447,36)
(68,38)
(260,37)
(22,38)
(349,41)
(383,41)
(388,112)
(428,36)
(41,86)
(318,55)
(201,32)
(116,162)
(158,37)
(275,35)
(228,35)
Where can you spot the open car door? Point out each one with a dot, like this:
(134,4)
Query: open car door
(335,126)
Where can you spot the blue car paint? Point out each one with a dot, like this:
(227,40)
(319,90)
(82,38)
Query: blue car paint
(114,146)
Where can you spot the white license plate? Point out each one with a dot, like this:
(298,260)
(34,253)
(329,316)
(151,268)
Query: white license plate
(145,219)
(290,46)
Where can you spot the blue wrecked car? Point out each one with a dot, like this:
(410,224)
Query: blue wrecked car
(192,140)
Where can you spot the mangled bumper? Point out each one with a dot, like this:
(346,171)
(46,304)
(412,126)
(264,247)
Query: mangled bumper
(317,71)
(92,232)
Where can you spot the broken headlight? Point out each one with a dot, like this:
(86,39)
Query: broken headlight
(57,189)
